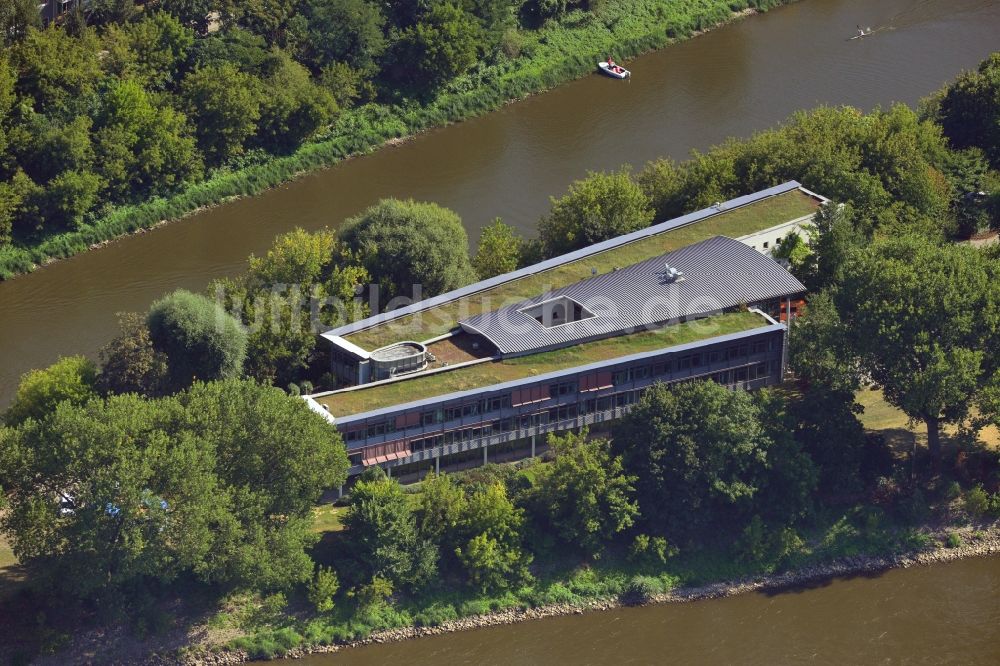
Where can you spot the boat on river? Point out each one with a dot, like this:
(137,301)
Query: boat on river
(614,70)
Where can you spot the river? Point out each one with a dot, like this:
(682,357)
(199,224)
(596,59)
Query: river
(729,82)
(942,614)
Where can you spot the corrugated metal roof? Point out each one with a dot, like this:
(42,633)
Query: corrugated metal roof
(719,273)
(335,335)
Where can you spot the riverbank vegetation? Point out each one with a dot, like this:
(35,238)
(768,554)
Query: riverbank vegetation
(126,116)
(163,472)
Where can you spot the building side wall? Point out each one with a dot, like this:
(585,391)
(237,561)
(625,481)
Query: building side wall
(586,398)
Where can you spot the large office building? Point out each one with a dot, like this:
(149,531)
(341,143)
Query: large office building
(490,369)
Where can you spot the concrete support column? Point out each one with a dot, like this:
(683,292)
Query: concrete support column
(388,471)
(437,464)
(485,458)
(340,491)
(532,446)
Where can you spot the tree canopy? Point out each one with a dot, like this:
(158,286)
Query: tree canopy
(217,482)
(200,339)
(71,379)
(599,207)
(701,456)
(920,317)
(403,244)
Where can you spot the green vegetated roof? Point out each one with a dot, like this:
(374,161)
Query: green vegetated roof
(439,320)
(496,372)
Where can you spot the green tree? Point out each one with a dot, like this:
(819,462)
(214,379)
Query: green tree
(152,51)
(130,363)
(921,317)
(293,106)
(104,12)
(99,497)
(275,457)
(347,31)
(405,243)
(323,588)
(969,109)
(200,339)
(382,534)
(584,495)
(825,422)
(57,71)
(698,452)
(305,282)
(16,18)
(217,483)
(443,507)
(233,45)
(443,44)
(599,207)
(499,251)
(884,164)
(143,146)
(71,379)
(492,526)
(820,351)
(224,104)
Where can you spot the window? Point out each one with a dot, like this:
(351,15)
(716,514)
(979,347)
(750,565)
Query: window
(557,311)
(355,459)
(563,388)
(759,346)
(497,403)
(562,413)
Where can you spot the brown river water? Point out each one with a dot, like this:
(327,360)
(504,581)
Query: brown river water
(942,614)
(729,82)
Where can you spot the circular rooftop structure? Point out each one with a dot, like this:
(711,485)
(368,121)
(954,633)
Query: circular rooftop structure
(398,359)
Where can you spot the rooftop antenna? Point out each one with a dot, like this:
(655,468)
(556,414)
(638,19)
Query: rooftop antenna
(672,274)
(593,271)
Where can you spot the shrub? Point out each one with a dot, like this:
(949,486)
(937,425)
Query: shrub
(954,540)
(322,589)
(435,615)
(640,590)
(977,502)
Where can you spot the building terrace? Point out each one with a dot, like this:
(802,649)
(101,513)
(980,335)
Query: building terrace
(734,219)
(371,397)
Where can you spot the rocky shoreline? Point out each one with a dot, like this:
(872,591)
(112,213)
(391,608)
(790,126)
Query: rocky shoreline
(976,543)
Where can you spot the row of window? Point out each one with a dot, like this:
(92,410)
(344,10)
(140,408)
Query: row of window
(553,415)
(618,378)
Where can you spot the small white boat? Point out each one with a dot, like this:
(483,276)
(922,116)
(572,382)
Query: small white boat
(862,33)
(617,71)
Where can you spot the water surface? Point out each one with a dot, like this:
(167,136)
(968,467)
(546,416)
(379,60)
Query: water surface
(730,82)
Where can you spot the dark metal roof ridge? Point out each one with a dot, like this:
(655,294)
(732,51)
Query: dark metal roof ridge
(468,290)
(514,383)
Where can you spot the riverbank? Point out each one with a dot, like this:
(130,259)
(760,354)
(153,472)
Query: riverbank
(555,54)
(980,541)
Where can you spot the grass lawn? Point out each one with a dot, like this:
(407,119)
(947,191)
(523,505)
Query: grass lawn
(879,415)
(326,518)
(496,372)
(439,320)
